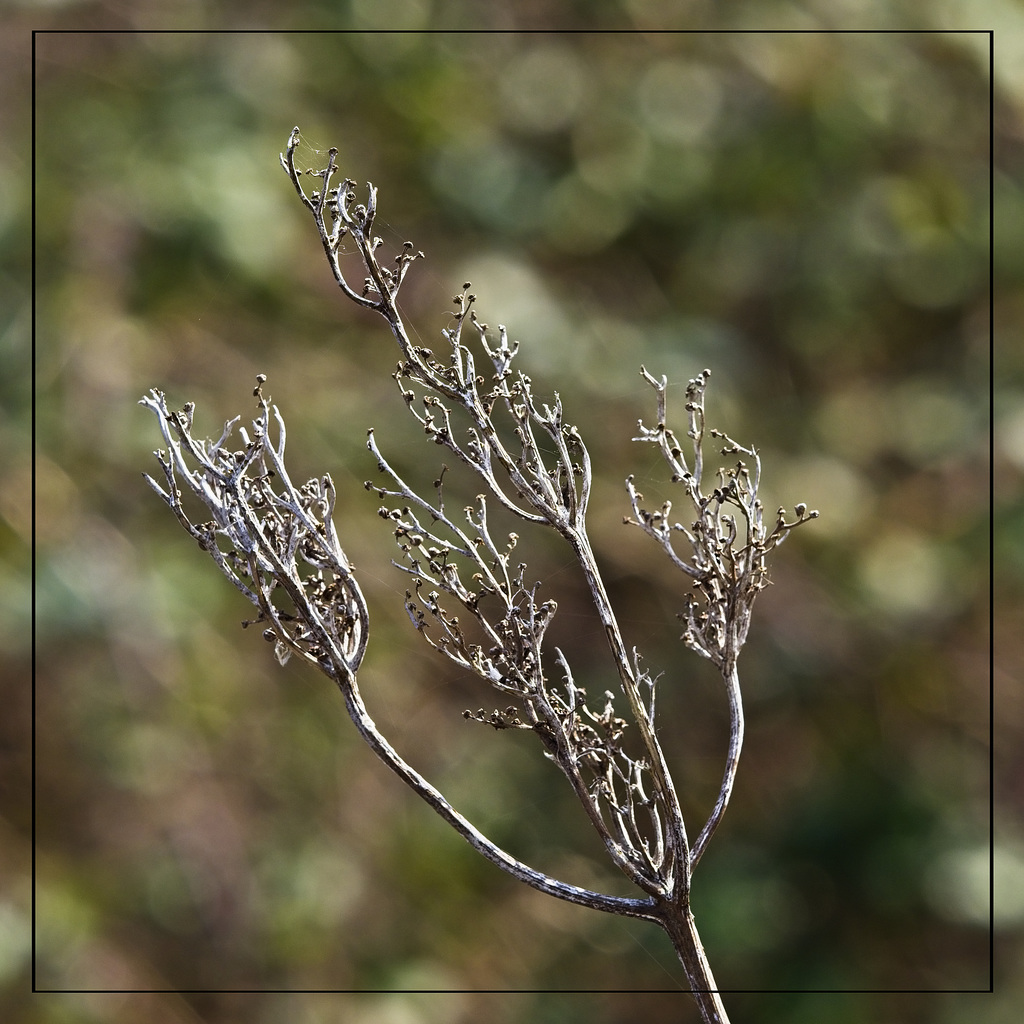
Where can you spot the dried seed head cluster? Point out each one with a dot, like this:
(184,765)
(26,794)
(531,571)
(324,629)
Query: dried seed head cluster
(274,541)
(728,539)
(469,595)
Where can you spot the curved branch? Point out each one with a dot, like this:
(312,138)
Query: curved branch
(732,761)
(639,908)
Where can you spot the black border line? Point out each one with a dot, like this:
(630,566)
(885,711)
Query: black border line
(547,991)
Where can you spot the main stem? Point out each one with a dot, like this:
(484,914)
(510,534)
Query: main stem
(678,922)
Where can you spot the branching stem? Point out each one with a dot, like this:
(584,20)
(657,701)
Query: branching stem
(277,544)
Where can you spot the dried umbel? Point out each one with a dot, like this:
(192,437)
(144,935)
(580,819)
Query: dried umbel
(275,542)
(469,595)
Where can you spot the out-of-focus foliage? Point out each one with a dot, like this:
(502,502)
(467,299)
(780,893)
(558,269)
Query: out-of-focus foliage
(806,214)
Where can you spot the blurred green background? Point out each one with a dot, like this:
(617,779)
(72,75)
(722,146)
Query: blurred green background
(807,215)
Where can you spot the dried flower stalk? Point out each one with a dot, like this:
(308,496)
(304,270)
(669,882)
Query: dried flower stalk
(468,596)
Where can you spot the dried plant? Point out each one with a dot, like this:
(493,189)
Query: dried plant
(468,596)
